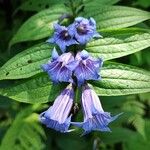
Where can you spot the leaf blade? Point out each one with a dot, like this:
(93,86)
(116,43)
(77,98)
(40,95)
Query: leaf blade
(118,45)
(116,17)
(115,44)
(117,79)
(38,5)
(38,26)
(26,63)
(18,134)
(35,90)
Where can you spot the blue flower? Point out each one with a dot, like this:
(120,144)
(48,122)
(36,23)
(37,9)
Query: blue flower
(85,67)
(58,116)
(57,68)
(62,37)
(94,116)
(83,29)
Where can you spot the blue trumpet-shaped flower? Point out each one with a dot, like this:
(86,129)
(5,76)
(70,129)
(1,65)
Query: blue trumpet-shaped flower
(62,37)
(83,29)
(94,116)
(57,68)
(85,67)
(58,116)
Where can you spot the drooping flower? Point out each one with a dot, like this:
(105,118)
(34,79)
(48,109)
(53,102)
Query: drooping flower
(62,37)
(57,68)
(94,116)
(83,29)
(85,67)
(58,116)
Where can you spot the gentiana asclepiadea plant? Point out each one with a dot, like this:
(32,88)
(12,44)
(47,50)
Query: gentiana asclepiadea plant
(75,67)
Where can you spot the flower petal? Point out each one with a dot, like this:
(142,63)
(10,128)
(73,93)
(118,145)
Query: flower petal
(62,37)
(58,116)
(95,119)
(54,54)
(57,69)
(83,29)
(86,68)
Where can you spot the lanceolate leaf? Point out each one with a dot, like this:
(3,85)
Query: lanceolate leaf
(38,5)
(114,17)
(39,26)
(116,44)
(119,45)
(36,90)
(25,133)
(26,63)
(117,79)
(98,3)
(124,32)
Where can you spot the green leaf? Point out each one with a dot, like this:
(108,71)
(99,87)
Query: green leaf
(38,5)
(139,124)
(134,107)
(125,32)
(143,3)
(119,45)
(98,3)
(26,63)
(116,44)
(36,90)
(119,79)
(39,26)
(118,134)
(114,17)
(137,110)
(25,133)
(141,143)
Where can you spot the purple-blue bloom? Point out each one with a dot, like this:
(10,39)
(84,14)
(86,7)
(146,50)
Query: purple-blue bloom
(85,67)
(83,29)
(62,37)
(94,116)
(57,68)
(58,116)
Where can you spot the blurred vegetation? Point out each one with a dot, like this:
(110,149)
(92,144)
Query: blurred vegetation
(130,132)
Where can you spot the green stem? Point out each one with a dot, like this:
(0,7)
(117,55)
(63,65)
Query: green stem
(76,94)
(73,9)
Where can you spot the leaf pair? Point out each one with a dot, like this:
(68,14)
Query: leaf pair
(117,79)
(107,17)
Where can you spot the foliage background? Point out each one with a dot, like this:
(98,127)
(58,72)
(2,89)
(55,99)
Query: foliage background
(19,126)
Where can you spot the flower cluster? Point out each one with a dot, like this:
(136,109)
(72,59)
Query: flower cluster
(76,68)
(80,32)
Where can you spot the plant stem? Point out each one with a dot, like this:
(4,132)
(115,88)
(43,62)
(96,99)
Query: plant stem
(72,8)
(77,94)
